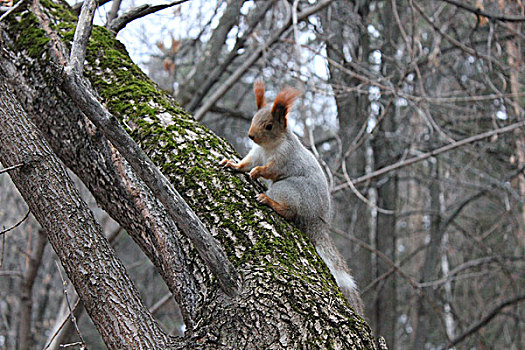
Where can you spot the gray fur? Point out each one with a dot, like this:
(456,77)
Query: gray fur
(300,187)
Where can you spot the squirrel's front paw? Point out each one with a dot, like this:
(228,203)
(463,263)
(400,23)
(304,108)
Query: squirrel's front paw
(255,173)
(262,198)
(228,163)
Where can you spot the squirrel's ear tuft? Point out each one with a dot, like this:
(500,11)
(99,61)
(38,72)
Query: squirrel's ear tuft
(258,88)
(283,103)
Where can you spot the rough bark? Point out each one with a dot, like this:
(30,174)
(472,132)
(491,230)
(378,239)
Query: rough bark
(90,263)
(288,298)
(106,174)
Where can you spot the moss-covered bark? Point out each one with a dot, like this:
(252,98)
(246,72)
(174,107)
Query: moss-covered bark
(289,299)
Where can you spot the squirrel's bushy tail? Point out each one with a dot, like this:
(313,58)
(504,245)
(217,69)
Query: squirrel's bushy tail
(328,252)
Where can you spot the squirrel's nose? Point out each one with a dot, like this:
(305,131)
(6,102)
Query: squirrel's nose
(251,136)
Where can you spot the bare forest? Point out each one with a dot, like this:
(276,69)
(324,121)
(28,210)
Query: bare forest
(120,229)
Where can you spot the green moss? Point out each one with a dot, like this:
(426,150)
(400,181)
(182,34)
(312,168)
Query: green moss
(30,36)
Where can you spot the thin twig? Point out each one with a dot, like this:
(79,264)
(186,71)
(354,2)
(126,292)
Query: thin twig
(493,313)
(12,9)
(16,225)
(72,316)
(432,153)
(361,196)
(13,167)
(123,20)
(453,41)
(160,303)
(217,72)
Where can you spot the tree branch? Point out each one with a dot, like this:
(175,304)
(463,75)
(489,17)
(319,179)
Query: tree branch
(15,225)
(493,313)
(225,87)
(123,20)
(82,34)
(78,6)
(216,73)
(11,9)
(13,167)
(479,12)
(433,153)
(74,234)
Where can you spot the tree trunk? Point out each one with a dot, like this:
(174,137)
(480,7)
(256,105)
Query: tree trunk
(26,292)
(385,148)
(429,272)
(345,43)
(98,276)
(288,297)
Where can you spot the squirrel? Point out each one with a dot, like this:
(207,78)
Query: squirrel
(298,188)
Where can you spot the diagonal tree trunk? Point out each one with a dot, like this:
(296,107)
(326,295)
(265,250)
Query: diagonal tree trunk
(288,298)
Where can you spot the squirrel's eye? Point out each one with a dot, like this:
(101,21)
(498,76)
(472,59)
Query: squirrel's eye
(269,127)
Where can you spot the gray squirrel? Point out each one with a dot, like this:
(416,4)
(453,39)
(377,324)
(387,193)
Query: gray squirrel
(298,189)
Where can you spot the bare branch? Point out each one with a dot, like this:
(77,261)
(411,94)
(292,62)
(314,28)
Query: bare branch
(113,13)
(479,12)
(13,167)
(12,9)
(76,7)
(15,225)
(433,153)
(71,315)
(217,72)
(121,21)
(82,34)
(481,323)
(455,42)
(226,86)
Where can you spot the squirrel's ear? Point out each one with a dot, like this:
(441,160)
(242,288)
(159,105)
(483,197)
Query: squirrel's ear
(258,88)
(283,103)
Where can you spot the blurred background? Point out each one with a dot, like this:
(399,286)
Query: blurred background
(437,246)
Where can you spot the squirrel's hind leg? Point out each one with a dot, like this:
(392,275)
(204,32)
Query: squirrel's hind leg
(281,208)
